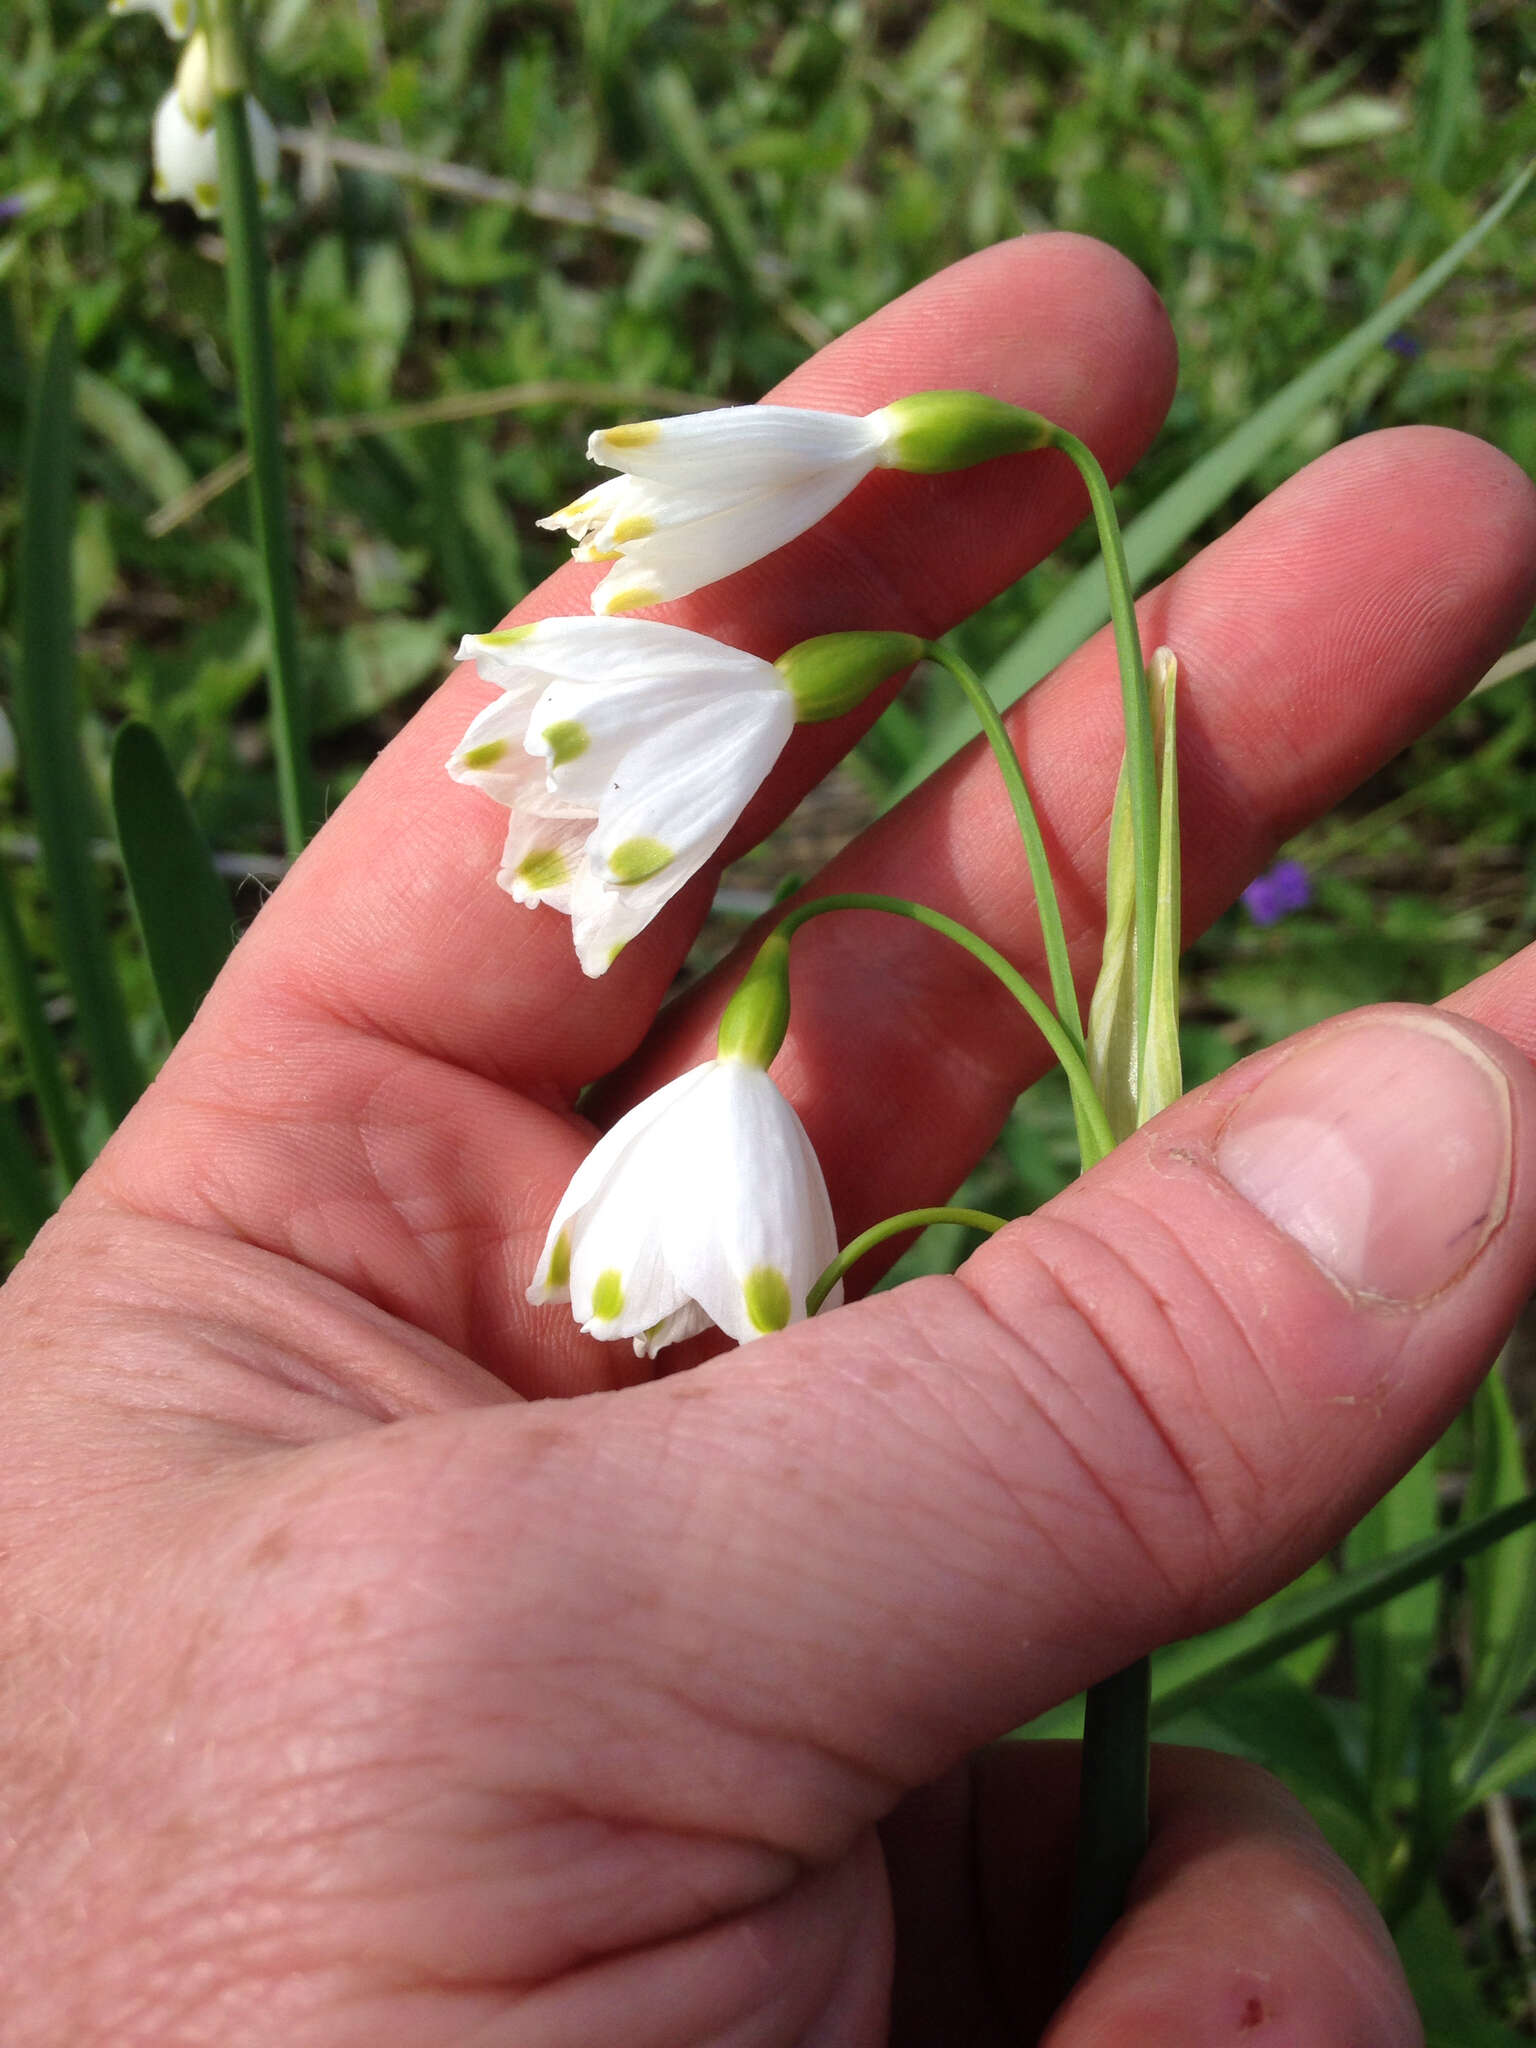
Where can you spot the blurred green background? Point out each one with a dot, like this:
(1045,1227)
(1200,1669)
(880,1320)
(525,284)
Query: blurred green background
(501,225)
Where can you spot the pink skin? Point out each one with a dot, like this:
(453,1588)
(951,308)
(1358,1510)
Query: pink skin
(355,1695)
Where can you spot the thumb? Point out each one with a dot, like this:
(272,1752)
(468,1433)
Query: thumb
(893,1533)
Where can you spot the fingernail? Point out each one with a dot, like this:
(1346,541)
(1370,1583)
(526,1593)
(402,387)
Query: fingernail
(1383,1149)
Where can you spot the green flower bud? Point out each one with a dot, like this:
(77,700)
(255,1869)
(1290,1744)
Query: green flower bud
(756,1018)
(836,671)
(940,430)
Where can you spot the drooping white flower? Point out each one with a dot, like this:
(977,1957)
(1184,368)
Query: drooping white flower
(175,15)
(706,1204)
(625,750)
(704,494)
(185,154)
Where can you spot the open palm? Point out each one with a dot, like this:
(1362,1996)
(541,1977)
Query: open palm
(358,1690)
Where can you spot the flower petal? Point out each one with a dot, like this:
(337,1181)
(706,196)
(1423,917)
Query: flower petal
(748,445)
(674,560)
(677,793)
(543,857)
(603,921)
(591,1178)
(685,1322)
(491,755)
(753,1227)
(588,650)
(583,730)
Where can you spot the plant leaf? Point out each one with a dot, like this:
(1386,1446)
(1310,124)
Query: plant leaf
(1393,1641)
(182,906)
(46,715)
(24,1002)
(1354,1592)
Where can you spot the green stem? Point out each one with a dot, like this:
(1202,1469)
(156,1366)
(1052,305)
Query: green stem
(1053,935)
(1112,1811)
(1112,1816)
(250,319)
(909,1219)
(1139,749)
(1054,1033)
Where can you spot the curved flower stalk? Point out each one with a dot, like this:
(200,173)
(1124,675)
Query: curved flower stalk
(706,1204)
(175,15)
(705,494)
(626,749)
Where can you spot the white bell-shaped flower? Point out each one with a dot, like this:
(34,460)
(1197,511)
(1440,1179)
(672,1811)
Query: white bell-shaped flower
(185,154)
(706,1204)
(175,15)
(625,750)
(706,493)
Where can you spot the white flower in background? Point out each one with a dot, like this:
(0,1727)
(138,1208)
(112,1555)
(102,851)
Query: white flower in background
(184,147)
(706,1204)
(175,15)
(625,751)
(704,494)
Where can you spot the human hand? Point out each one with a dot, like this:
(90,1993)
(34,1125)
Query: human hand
(356,1691)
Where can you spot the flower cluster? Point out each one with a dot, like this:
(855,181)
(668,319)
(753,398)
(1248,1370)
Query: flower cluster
(184,150)
(624,750)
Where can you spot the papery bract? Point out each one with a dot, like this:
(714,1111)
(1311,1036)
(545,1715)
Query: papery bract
(706,1204)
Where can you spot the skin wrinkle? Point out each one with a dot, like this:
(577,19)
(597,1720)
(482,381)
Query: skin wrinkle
(1158,1430)
(1174,1309)
(1027,1365)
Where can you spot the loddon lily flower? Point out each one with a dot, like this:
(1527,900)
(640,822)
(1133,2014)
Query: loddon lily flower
(706,1204)
(704,494)
(184,148)
(626,749)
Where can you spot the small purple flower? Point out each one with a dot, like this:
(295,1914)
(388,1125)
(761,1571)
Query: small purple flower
(1275,895)
(1403,344)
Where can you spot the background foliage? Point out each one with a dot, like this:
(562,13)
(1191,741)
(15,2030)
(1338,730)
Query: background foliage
(501,224)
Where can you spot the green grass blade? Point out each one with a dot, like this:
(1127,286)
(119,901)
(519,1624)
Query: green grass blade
(182,907)
(24,1003)
(46,713)
(1350,1594)
(25,1203)
(1153,537)
(250,321)
(1502,1583)
(1392,1642)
